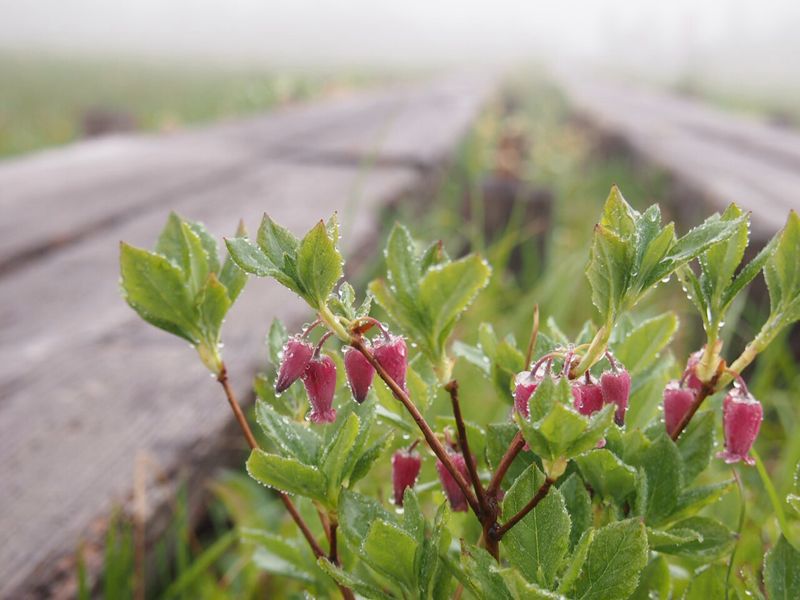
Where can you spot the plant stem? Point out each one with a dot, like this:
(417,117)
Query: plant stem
(237,411)
(709,388)
(287,502)
(499,532)
(333,556)
(742,515)
(469,459)
(594,352)
(517,444)
(427,432)
(488,516)
(774,499)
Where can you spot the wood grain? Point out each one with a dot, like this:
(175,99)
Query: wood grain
(725,157)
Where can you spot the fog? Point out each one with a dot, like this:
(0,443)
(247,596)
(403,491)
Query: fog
(731,39)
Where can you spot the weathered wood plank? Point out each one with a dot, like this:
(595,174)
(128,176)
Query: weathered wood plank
(723,157)
(58,196)
(85,386)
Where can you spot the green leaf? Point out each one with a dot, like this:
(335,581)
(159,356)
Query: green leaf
(749,272)
(434,578)
(402,267)
(154,288)
(576,562)
(231,276)
(171,243)
(434,255)
(608,270)
(288,475)
(616,557)
(213,304)
(339,452)
(663,465)
(209,245)
(642,346)
(295,439)
(319,264)
(368,458)
(276,340)
(390,550)
(579,507)
(276,242)
(782,571)
(654,581)
(691,500)
(483,574)
(607,474)
(696,444)
(658,538)
(782,273)
(712,231)
(249,257)
(708,583)
(537,544)
(521,589)
(498,439)
(448,290)
(713,539)
(356,514)
(719,263)
(275,554)
(349,580)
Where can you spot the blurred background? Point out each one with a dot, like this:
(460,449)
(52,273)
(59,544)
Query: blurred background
(691,105)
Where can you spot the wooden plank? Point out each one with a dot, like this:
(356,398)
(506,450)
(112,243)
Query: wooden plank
(59,196)
(723,157)
(85,386)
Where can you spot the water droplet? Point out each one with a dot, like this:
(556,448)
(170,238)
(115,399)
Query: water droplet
(666,279)
(399,510)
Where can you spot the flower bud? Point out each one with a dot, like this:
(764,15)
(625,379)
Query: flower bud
(296,354)
(405,470)
(741,420)
(458,502)
(320,381)
(392,355)
(588,397)
(359,373)
(616,386)
(677,403)
(525,385)
(691,379)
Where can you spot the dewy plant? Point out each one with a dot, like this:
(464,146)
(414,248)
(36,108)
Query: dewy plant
(575,495)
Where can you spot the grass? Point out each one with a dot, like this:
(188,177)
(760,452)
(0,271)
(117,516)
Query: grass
(43,100)
(561,160)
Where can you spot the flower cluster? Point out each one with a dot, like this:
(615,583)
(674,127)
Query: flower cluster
(301,360)
(741,412)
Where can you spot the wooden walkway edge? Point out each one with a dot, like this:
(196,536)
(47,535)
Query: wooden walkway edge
(85,386)
(725,157)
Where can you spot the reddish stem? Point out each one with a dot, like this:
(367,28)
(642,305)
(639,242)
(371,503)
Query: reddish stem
(430,437)
(499,532)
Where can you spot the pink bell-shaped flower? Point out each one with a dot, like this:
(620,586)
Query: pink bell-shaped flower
(458,502)
(359,373)
(525,383)
(741,420)
(319,379)
(405,470)
(678,401)
(392,355)
(690,374)
(588,396)
(297,353)
(616,387)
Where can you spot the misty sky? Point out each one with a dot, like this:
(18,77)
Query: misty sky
(639,34)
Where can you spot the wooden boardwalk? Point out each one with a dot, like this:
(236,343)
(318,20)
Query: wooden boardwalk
(85,386)
(725,157)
